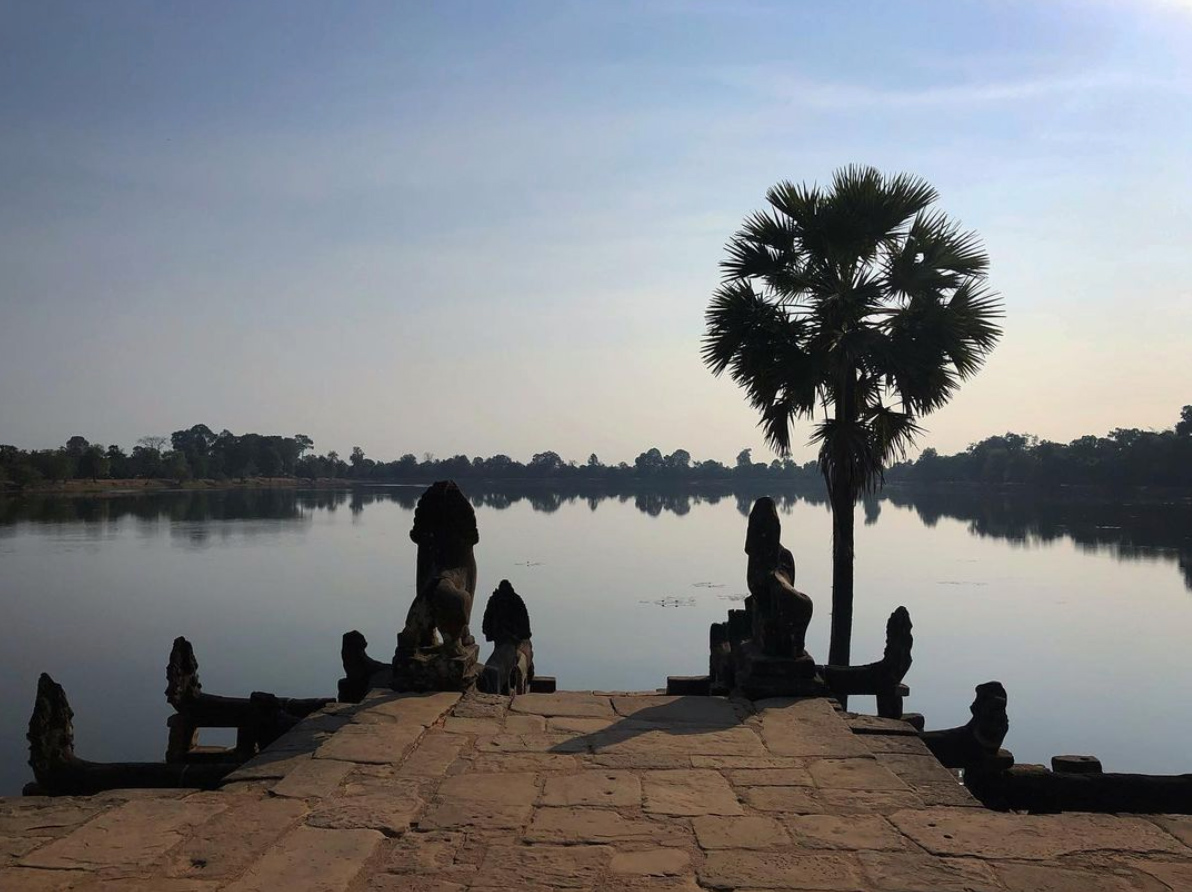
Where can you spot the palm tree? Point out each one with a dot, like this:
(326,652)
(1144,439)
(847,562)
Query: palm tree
(859,302)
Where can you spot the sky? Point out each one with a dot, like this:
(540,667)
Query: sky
(480,228)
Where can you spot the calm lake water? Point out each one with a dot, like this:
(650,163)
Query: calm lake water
(1081,606)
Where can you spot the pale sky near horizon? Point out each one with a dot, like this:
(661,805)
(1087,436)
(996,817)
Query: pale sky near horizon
(494,227)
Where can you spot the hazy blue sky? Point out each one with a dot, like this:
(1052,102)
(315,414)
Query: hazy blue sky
(493,227)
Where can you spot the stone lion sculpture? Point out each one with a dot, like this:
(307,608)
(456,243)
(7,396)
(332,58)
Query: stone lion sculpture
(445,579)
(780,613)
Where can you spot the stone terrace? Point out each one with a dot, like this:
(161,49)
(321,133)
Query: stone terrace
(411,793)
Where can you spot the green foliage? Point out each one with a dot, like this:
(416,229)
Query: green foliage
(858,303)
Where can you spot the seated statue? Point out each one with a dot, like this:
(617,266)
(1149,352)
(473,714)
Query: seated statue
(780,613)
(510,669)
(436,650)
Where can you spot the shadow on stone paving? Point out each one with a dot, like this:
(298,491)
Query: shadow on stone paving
(680,716)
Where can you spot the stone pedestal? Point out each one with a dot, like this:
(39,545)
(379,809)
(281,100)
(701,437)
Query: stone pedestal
(760,675)
(432,669)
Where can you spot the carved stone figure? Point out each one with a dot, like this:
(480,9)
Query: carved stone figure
(436,650)
(510,669)
(780,613)
(884,677)
(59,772)
(977,743)
(769,657)
(361,672)
(259,719)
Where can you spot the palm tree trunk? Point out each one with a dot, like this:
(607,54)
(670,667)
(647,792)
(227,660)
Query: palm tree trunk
(842,574)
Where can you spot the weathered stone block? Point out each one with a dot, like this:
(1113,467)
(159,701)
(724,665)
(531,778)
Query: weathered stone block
(781,870)
(595,788)
(228,842)
(553,867)
(922,873)
(572,825)
(747,832)
(859,832)
(567,703)
(651,862)
(376,744)
(310,860)
(689,792)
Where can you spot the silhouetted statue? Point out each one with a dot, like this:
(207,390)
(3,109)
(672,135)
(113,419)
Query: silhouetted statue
(510,669)
(977,743)
(361,672)
(780,613)
(445,584)
(259,719)
(59,772)
(883,678)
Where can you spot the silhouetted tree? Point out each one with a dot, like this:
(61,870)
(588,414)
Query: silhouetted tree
(861,300)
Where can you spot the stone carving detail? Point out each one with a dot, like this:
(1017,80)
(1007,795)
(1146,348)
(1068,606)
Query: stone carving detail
(510,669)
(884,677)
(780,613)
(59,772)
(761,650)
(259,719)
(977,743)
(436,650)
(361,672)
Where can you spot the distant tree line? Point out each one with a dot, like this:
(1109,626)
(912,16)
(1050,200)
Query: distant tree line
(1123,457)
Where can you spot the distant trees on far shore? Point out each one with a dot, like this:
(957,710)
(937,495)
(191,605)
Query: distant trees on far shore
(1122,457)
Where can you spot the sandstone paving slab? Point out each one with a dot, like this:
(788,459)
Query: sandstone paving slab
(596,788)
(1023,877)
(433,755)
(449,815)
(267,765)
(525,724)
(747,763)
(308,734)
(464,725)
(143,884)
(477,705)
(706,711)
(533,743)
(1179,826)
(895,745)
(783,800)
(914,872)
(735,741)
(860,832)
(872,724)
(377,744)
(125,838)
(620,882)
(413,709)
(854,774)
(551,867)
(1177,875)
(600,825)
(230,840)
(878,802)
(13,847)
(918,770)
(746,832)
(808,801)
(563,703)
(514,762)
(950,794)
(310,860)
(520,788)
(656,862)
(782,870)
(389,811)
(314,778)
(28,879)
(577,724)
(47,816)
(770,777)
(432,852)
(695,791)
(987,834)
(639,761)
